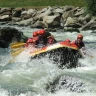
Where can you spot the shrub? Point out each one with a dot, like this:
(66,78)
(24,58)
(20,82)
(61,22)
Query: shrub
(91,6)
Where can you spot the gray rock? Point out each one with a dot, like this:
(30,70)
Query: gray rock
(25,22)
(67,8)
(5,18)
(52,21)
(79,12)
(42,15)
(71,29)
(72,22)
(90,25)
(67,14)
(16,19)
(37,24)
(17,13)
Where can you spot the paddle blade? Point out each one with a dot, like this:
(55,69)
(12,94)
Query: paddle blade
(17,45)
(17,52)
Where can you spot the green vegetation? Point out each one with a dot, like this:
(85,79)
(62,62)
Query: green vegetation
(29,3)
(91,6)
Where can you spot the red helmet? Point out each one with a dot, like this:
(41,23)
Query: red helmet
(39,32)
(34,33)
(80,36)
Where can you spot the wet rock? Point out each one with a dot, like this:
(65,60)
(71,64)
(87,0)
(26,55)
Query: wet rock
(71,29)
(9,35)
(50,29)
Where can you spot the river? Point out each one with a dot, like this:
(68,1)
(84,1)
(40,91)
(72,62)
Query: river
(24,78)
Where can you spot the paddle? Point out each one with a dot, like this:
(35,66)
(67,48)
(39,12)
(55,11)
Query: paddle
(17,52)
(17,48)
(17,45)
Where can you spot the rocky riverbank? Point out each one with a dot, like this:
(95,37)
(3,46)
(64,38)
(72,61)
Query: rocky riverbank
(68,18)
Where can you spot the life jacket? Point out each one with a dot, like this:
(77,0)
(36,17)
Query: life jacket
(31,40)
(50,40)
(80,45)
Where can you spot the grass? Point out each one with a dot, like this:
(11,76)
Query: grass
(27,3)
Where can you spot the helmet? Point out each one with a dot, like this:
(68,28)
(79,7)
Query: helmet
(80,36)
(34,33)
(41,32)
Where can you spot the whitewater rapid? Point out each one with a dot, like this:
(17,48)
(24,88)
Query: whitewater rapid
(30,78)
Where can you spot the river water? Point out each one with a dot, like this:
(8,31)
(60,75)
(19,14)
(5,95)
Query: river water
(29,78)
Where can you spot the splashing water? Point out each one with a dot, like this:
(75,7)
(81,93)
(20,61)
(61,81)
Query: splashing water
(30,78)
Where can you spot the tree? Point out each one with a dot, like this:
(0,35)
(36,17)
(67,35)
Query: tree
(91,6)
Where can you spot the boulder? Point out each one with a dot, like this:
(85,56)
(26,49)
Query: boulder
(25,22)
(72,22)
(31,11)
(91,25)
(67,14)
(67,8)
(8,35)
(43,10)
(52,21)
(58,10)
(5,18)
(37,24)
(17,12)
(4,10)
(42,15)
(27,16)
(16,19)
(84,19)
(79,12)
